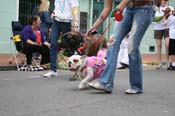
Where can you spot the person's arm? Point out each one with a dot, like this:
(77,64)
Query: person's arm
(75,13)
(105,13)
(47,44)
(75,21)
(43,40)
(32,43)
(123,4)
(26,34)
(157,18)
(75,9)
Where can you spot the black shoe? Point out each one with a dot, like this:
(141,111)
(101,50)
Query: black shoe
(171,68)
(121,67)
(125,65)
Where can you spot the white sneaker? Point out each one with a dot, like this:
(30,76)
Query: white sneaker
(50,74)
(100,87)
(132,91)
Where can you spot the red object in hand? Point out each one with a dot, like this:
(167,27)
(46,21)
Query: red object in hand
(118,16)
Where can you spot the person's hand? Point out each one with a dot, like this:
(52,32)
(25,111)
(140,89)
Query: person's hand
(90,32)
(47,44)
(122,5)
(37,44)
(166,15)
(50,29)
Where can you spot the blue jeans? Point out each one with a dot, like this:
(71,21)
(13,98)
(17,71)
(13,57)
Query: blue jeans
(57,27)
(136,21)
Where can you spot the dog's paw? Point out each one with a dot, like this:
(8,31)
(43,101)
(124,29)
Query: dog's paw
(72,79)
(83,85)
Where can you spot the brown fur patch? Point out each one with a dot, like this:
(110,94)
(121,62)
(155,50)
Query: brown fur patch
(92,48)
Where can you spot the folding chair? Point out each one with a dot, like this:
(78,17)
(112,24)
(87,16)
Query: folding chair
(16,32)
(18,49)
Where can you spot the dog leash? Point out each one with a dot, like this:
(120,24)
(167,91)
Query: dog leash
(97,41)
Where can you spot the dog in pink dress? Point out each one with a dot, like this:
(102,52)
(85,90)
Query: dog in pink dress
(88,68)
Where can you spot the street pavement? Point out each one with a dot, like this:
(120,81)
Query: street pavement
(29,94)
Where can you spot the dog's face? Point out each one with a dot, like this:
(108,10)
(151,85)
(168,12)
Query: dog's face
(71,42)
(75,61)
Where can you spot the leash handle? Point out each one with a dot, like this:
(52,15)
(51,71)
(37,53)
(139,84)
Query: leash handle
(106,28)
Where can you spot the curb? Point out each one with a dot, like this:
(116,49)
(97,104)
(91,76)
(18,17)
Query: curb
(150,63)
(13,67)
(7,67)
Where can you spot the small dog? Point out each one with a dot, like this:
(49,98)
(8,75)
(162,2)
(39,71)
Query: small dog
(87,68)
(74,42)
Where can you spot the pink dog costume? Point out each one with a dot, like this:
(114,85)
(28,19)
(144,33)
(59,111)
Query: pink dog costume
(97,62)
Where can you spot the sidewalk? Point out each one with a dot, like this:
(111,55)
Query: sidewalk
(5,59)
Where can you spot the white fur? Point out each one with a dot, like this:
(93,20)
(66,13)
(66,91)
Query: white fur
(78,64)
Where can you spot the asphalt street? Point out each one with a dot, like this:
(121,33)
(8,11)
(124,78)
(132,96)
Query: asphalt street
(29,94)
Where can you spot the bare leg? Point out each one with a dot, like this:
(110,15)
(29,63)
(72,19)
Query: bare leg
(167,47)
(159,52)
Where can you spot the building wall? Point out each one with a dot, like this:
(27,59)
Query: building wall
(84,7)
(8,13)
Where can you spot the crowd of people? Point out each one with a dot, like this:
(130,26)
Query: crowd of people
(161,31)
(44,29)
